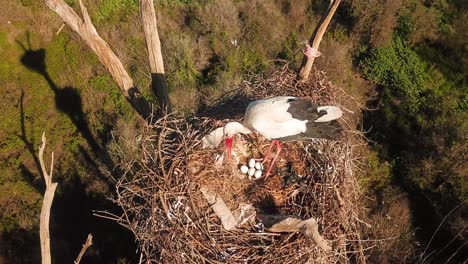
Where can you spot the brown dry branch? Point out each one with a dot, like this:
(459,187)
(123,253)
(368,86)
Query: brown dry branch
(46,204)
(172,221)
(86,245)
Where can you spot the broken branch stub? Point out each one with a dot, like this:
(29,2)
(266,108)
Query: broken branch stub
(46,204)
(86,30)
(86,245)
(314,42)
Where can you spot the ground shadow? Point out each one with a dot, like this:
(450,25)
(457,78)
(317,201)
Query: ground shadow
(72,220)
(68,101)
(15,246)
(29,144)
(72,210)
(228,106)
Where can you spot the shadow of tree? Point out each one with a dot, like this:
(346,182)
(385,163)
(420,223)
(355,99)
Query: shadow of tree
(72,219)
(228,106)
(68,101)
(72,210)
(29,144)
(17,241)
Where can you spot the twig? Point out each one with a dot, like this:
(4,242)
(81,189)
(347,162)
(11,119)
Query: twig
(86,245)
(435,232)
(362,222)
(60,29)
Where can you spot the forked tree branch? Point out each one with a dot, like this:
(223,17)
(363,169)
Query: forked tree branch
(316,38)
(150,29)
(86,245)
(86,30)
(46,204)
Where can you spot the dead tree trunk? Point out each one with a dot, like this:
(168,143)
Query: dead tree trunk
(85,28)
(158,78)
(46,204)
(316,38)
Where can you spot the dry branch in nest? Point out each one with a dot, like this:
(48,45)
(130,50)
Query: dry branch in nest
(163,205)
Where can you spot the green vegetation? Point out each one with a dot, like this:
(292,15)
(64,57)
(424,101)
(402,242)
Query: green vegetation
(61,100)
(422,102)
(401,72)
(114,11)
(378,176)
(421,124)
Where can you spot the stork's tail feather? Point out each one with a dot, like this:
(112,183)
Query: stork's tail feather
(329,113)
(326,125)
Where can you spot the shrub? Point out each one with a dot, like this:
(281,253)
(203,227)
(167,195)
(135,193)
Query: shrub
(400,70)
(290,47)
(377,176)
(422,120)
(184,60)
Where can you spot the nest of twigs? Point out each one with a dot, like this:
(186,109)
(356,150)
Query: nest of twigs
(162,205)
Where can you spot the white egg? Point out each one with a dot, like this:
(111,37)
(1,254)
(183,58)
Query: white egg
(258,166)
(244,169)
(251,171)
(258,174)
(251,163)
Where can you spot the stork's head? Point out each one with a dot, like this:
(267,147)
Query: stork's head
(230,130)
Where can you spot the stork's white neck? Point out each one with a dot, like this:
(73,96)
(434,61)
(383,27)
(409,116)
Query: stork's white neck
(232,128)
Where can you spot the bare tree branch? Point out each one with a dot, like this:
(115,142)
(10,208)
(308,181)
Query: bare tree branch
(46,205)
(85,28)
(86,245)
(150,29)
(316,38)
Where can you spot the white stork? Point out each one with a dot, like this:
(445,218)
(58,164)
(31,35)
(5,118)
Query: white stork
(285,118)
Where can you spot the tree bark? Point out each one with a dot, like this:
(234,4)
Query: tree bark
(158,78)
(85,28)
(46,205)
(316,38)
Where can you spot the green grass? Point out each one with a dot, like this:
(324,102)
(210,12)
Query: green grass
(114,11)
(69,65)
(114,99)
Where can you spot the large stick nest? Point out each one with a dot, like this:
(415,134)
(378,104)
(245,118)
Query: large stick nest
(162,205)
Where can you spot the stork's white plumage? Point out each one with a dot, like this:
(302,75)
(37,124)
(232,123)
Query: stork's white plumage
(285,118)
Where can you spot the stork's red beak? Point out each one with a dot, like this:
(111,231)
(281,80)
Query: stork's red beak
(229,145)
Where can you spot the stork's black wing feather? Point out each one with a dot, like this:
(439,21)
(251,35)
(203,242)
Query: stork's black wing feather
(303,109)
